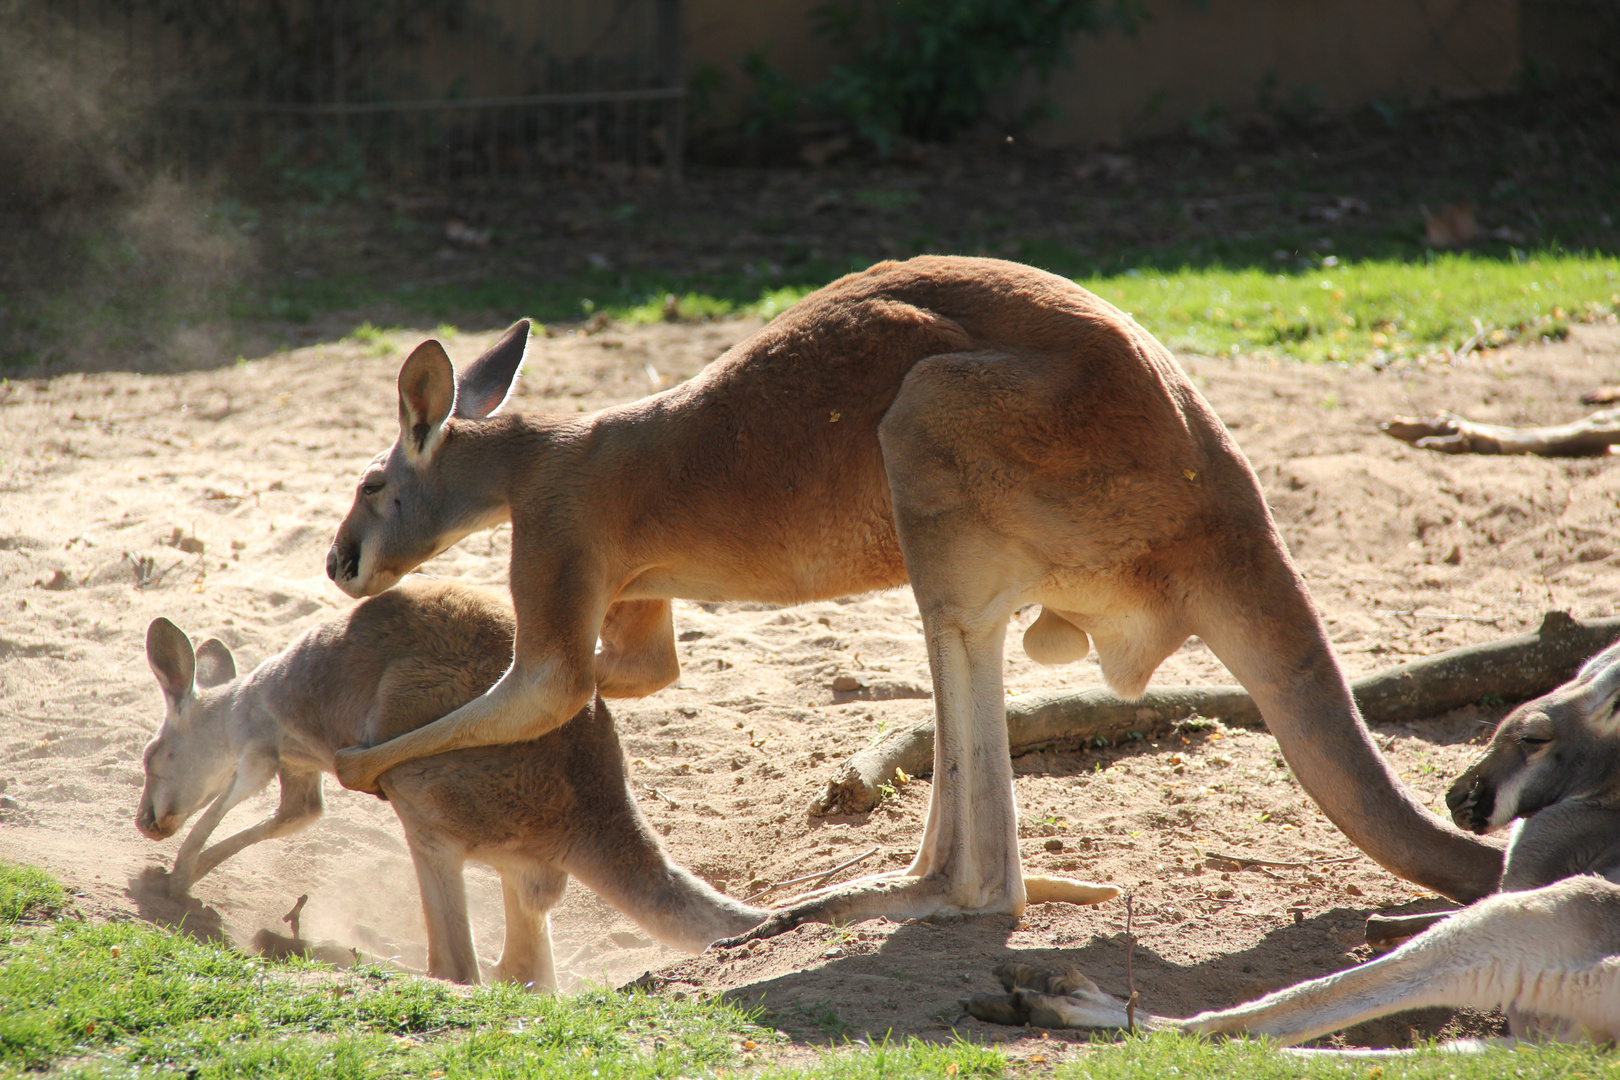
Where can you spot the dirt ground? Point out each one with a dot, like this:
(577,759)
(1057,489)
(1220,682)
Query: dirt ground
(210,497)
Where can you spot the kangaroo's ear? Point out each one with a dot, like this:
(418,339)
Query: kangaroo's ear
(168,650)
(1597,686)
(484,387)
(1596,666)
(215,664)
(427,394)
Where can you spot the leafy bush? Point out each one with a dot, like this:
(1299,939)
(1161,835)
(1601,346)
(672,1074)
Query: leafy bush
(926,69)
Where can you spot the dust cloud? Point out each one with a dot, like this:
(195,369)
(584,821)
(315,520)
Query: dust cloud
(108,248)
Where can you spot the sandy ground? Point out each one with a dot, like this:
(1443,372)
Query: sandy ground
(210,498)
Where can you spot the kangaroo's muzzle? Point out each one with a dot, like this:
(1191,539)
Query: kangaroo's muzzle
(342,561)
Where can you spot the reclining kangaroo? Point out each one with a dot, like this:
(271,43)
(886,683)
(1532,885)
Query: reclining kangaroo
(537,811)
(1546,950)
(990,433)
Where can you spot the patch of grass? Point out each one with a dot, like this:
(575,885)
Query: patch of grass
(126,998)
(374,339)
(27,893)
(1167,1055)
(1375,310)
(130,1000)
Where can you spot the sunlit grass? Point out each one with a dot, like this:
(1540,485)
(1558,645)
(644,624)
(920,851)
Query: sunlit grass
(1193,1059)
(124,999)
(1369,311)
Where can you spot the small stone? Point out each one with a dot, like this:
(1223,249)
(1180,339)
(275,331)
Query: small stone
(1054,844)
(8,803)
(58,581)
(1352,890)
(1454,556)
(833,953)
(843,684)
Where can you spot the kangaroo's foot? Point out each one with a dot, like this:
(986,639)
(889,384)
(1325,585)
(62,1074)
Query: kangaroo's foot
(900,894)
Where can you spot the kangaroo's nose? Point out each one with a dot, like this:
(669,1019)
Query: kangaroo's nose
(146,823)
(332,561)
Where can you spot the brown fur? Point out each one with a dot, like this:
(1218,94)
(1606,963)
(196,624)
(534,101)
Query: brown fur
(989,433)
(537,811)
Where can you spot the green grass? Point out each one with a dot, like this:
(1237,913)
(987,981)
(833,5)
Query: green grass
(26,892)
(1374,311)
(1163,1056)
(125,999)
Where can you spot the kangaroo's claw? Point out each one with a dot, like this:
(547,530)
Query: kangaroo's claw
(776,925)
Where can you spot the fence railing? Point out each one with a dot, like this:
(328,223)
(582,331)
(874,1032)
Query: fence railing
(332,92)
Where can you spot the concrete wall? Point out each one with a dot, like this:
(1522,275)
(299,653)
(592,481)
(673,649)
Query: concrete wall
(1189,58)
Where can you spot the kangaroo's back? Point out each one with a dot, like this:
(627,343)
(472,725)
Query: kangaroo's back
(431,648)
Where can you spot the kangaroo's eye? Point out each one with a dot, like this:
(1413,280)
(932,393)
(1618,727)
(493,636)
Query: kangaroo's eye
(1533,740)
(371,487)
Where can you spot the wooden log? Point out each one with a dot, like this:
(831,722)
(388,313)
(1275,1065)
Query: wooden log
(1451,434)
(1513,669)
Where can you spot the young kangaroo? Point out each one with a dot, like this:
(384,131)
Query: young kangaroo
(536,811)
(990,433)
(1546,950)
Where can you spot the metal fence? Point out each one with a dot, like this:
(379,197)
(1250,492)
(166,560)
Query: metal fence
(332,92)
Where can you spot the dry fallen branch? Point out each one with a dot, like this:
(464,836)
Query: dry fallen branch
(1451,434)
(1513,669)
(820,877)
(1244,860)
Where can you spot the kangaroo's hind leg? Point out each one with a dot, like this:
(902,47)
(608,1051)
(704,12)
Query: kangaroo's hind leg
(530,890)
(440,862)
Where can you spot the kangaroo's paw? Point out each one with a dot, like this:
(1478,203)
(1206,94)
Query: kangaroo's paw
(776,924)
(896,895)
(996,1009)
(357,770)
(1025,1006)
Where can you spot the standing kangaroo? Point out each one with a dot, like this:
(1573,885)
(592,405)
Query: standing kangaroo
(990,433)
(537,812)
(1546,950)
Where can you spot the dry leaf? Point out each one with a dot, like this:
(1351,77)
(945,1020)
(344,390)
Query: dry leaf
(1453,227)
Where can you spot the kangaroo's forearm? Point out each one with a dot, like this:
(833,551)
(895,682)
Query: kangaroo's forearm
(523,705)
